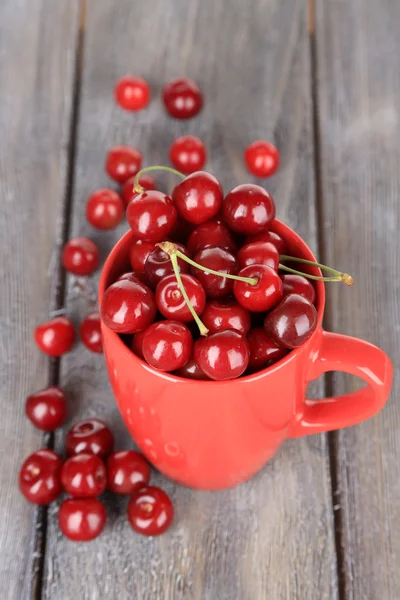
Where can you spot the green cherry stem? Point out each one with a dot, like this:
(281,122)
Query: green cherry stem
(337,275)
(139,189)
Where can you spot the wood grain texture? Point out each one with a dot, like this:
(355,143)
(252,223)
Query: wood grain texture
(37,45)
(359,91)
(272,537)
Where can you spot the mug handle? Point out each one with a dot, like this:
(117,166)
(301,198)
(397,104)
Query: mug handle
(354,356)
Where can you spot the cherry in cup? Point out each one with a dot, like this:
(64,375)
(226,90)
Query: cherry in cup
(211,233)
(182,98)
(167,345)
(123,162)
(138,253)
(222,355)
(137,342)
(188,154)
(55,337)
(248,209)
(128,306)
(90,436)
(151,216)
(268,236)
(150,511)
(264,351)
(82,519)
(80,256)
(132,93)
(127,472)
(171,302)
(84,476)
(219,260)
(198,198)
(226,313)
(262,158)
(264,294)
(47,409)
(296,284)
(258,253)
(191,370)
(128,191)
(292,322)
(105,209)
(158,264)
(90,332)
(39,477)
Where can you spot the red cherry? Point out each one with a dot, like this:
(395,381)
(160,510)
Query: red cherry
(198,198)
(292,322)
(158,264)
(137,342)
(212,233)
(127,192)
(134,276)
(90,436)
(262,158)
(47,409)
(188,154)
(82,519)
(127,472)
(268,236)
(172,304)
(182,98)
(259,253)
(39,477)
(265,294)
(167,345)
(84,476)
(132,93)
(128,306)
(104,209)
(181,230)
(263,350)
(222,355)
(55,337)
(90,332)
(248,209)
(150,511)
(80,256)
(191,371)
(123,162)
(297,284)
(138,254)
(151,216)
(219,260)
(220,315)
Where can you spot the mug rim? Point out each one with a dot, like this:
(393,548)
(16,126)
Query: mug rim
(277,227)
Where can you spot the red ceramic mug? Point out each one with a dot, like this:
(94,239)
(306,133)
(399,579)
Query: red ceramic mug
(217,434)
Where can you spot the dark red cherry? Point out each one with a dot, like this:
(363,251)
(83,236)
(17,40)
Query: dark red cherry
(127,192)
(151,216)
(123,162)
(47,409)
(212,233)
(90,332)
(132,93)
(137,342)
(262,158)
(198,198)
(128,306)
(82,519)
(150,511)
(167,345)
(80,256)
(292,322)
(90,436)
(105,209)
(84,476)
(297,284)
(268,236)
(158,264)
(263,350)
(181,230)
(39,477)
(191,371)
(220,315)
(188,154)
(222,355)
(55,337)
(262,296)
(248,209)
(182,98)
(170,301)
(258,253)
(219,260)
(138,254)
(127,471)
(138,277)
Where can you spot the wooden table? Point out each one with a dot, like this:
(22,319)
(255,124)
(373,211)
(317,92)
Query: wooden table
(322,520)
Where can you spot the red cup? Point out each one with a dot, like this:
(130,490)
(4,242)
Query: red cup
(217,434)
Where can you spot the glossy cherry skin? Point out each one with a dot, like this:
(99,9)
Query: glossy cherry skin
(158,264)
(138,254)
(82,519)
(262,158)
(258,253)
(90,332)
(219,260)
(127,192)
(47,409)
(105,209)
(262,296)
(220,315)
(90,436)
(248,209)
(84,476)
(268,236)
(167,345)
(128,306)
(137,343)
(135,276)
(171,303)
(182,98)
(127,472)
(188,154)
(132,93)
(222,355)
(55,337)
(123,162)
(297,284)
(212,233)
(39,477)
(263,350)
(150,511)
(292,322)
(151,216)
(198,198)
(191,371)
(80,256)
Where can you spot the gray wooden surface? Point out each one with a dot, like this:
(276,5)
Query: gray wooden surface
(320,520)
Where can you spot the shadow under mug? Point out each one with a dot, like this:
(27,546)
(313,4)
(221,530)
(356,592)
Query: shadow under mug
(217,434)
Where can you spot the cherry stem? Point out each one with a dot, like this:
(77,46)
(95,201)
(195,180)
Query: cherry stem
(174,260)
(139,189)
(337,275)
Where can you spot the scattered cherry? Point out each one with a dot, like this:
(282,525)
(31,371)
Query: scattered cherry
(258,253)
(188,154)
(212,233)
(263,350)
(145,181)
(90,332)
(297,284)
(82,519)
(268,236)
(123,162)
(90,436)
(167,345)
(151,216)
(262,158)
(198,198)
(80,256)
(39,477)
(127,472)
(104,209)
(138,254)
(182,98)
(219,260)
(170,301)
(132,93)
(248,209)
(191,371)
(84,476)
(150,511)
(158,264)
(55,337)
(47,409)
(222,355)
(137,342)
(292,322)
(262,296)
(128,306)
(220,315)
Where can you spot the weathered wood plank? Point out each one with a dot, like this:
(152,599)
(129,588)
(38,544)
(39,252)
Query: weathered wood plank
(359,90)
(272,537)
(37,46)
